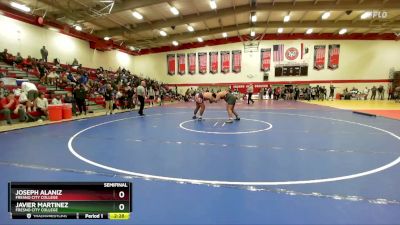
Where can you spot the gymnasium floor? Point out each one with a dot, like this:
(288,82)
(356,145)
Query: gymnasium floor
(283,163)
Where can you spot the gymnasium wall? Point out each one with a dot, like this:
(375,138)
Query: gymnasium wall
(359,60)
(27,39)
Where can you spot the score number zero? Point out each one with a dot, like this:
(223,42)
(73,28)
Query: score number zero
(121,195)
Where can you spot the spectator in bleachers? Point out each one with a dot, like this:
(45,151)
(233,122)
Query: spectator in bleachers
(72,78)
(75,63)
(18,59)
(3,90)
(84,79)
(4,56)
(42,73)
(30,90)
(23,100)
(56,100)
(28,62)
(52,77)
(80,97)
(70,99)
(42,105)
(10,105)
(44,53)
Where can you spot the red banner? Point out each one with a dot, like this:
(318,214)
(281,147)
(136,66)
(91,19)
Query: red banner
(333,57)
(236,61)
(181,64)
(225,61)
(213,62)
(265,59)
(202,62)
(171,64)
(191,63)
(319,57)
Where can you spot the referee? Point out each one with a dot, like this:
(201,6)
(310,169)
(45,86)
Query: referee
(141,94)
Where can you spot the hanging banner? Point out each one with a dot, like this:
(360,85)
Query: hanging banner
(265,59)
(319,57)
(202,62)
(225,61)
(333,57)
(171,64)
(213,62)
(236,61)
(191,58)
(181,64)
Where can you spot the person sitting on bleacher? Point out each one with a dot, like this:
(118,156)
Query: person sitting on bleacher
(42,105)
(52,77)
(18,59)
(56,100)
(84,79)
(10,105)
(3,55)
(6,57)
(42,72)
(72,78)
(3,90)
(23,100)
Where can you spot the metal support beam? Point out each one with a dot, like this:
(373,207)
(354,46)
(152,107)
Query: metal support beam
(275,6)
(276,24)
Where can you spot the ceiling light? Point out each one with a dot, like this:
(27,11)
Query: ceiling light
(280,30)
(78,28)
(326,15)
(343,31)
(199,39)
(252,33)
(213,4)
(174,10)
(286,18)
(131,48)
(20,7)
(107,38)
(309,31)
(253,17)
(224,35)
(366,15)
(190,28)
(163,33)
(175,43)
(137,15)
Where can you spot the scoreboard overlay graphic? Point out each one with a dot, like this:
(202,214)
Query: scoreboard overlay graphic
(70,200)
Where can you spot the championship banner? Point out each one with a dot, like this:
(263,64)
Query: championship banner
(236,61)
(213,62)
(319,57)
(225,61)
(181,64)
(202,62)
(265,59)
(333,57)
(191,57)
(171,64)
